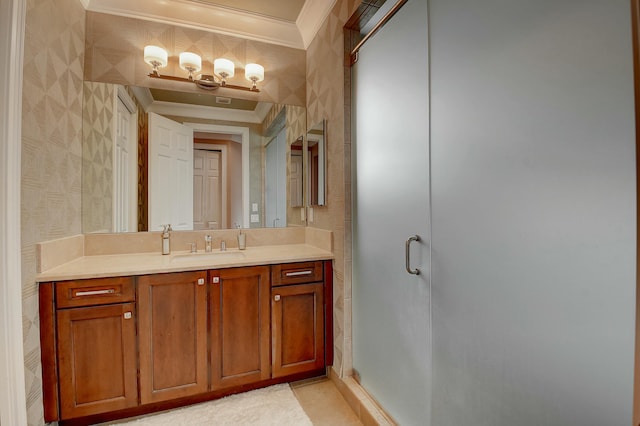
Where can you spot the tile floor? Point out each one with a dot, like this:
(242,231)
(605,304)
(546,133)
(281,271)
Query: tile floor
(323,403)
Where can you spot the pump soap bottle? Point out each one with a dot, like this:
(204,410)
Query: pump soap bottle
(242,240)
(166,248)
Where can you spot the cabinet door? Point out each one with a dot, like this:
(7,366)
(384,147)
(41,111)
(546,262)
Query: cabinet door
(240,326)
(97,359)
(172,324)
(298,328)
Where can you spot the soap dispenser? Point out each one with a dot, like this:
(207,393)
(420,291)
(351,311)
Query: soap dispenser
(242,240)
(166,248)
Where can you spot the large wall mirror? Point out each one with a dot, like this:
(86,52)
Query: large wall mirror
(195,160)
(317,163)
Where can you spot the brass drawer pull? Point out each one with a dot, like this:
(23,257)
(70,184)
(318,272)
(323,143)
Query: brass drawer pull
(297,274)
(95,292)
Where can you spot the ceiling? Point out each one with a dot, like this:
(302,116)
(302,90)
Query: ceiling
(287,10)
(291,23)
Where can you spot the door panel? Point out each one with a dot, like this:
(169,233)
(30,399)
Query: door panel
(391,308)
(170,174)
(298,328)
(173,335)
(122,170)
(240,325)
(296,181)
(533,210)
(276,182)
(97,359)
(208,204)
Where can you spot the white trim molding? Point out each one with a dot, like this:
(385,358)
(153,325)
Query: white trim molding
(224,20)
(243,132)
(311,18)
(13,410)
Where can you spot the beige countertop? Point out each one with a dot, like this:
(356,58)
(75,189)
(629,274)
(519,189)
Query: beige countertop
(114,265)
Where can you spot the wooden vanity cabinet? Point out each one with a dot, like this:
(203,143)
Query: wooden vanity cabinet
(240,326)
(172,327)
(120,347)
(298,314)
(89,351)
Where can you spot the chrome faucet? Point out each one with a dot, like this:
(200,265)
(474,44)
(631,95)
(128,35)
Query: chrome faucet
(207,242)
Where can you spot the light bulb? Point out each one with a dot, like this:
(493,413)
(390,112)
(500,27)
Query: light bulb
(156,57)
(224,68)
(190,62)
(254,72)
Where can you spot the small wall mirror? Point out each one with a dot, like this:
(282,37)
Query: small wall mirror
(296,174)
(317,163)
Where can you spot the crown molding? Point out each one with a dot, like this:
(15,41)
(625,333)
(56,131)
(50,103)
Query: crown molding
(204,112)
(311,18)
(223,20)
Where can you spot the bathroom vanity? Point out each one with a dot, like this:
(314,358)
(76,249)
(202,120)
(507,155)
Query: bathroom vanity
(157,332)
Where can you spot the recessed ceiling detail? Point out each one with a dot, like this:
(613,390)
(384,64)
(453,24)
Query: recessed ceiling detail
(291,23)
(287,10)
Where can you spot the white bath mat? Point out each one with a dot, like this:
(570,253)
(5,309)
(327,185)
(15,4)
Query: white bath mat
(272,406)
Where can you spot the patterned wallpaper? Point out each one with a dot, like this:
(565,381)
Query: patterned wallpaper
(97,156)
(114,54)
(327,78)
(296,119)
(51,155)
(52,129)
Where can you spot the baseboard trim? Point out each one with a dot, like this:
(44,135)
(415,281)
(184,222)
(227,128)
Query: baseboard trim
(365,407)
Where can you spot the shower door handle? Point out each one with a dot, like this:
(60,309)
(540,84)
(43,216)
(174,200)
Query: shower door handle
(407,253)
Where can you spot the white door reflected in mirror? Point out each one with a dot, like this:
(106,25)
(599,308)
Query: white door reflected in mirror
(276,181)
(317,163)
(170,174)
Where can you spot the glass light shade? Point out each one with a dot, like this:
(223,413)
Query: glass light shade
(155,54)
(254,72)
(222,65)
(190,60)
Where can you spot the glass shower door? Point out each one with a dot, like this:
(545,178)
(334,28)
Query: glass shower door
(391,307)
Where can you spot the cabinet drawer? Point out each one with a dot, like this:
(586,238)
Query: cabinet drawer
(99,291)
(296,273)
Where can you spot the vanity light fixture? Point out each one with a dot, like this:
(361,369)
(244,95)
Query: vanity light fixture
(223,68)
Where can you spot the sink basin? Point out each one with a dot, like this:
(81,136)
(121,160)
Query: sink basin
(207,257)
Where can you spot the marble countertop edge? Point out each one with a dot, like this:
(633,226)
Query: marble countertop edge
(117,265)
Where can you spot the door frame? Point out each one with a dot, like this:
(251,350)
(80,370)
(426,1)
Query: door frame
(243,132)
(13,406)
(223,177)
(635,28)
(122,96)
